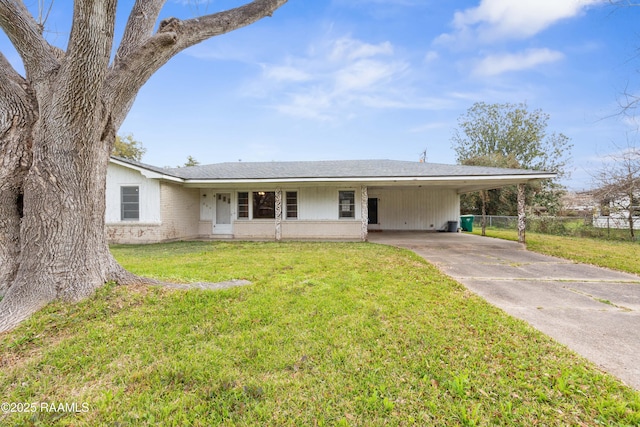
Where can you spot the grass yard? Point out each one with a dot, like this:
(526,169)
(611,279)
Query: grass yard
(616,255)
(328,334)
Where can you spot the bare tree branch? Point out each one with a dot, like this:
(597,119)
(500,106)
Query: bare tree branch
(196,30)
(90,44)
(142,20)
(133,70)
(617,183)
(8,72)
(26,36)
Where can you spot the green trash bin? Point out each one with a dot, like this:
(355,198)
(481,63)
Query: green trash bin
(466,222)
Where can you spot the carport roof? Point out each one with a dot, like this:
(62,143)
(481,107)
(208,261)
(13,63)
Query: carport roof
(380,172)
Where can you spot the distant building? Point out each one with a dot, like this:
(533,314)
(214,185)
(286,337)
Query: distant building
(581,203)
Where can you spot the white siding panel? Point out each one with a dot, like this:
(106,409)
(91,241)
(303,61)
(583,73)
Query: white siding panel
(321,203)
(318,203)
(416,209)
(118,176)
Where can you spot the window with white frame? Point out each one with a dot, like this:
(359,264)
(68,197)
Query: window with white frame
(130,203)
(292,204)
(346,204)
(243,204)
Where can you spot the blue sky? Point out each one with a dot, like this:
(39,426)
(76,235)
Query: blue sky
(364,79)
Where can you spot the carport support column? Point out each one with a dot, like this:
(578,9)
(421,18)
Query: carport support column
(278,215)
(364,213)
(522,218)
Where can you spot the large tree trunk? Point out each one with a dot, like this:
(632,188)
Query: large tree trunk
(57,129)
(63,250)
(15,160)
(63,253)
(17,117)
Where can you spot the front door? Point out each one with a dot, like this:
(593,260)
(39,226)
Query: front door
(222,223)
(372,207)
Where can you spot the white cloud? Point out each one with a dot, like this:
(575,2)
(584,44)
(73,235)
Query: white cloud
(313,104)
(431,126)
(493,65)
(364,75)
(285,73)
(349,49)
(511,19)
(432,55)
(335,78)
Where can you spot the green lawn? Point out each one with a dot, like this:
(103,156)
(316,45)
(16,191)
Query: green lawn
(617,255)
(328,334)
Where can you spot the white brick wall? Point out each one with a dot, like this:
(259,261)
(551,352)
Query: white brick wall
(180,219)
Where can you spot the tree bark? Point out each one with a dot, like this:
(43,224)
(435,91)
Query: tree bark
(16,121)
(57,129)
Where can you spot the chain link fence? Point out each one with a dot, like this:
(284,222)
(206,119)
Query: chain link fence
(559,226)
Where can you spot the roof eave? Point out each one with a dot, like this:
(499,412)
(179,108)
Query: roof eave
(516,178)
(147,173)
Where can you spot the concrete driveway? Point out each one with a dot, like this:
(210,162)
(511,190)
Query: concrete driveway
(593,311)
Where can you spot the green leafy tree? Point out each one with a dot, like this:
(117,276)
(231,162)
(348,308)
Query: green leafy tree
(128,148)
(512,136)
(191,161)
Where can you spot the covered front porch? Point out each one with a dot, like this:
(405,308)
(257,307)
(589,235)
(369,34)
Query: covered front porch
(328,213)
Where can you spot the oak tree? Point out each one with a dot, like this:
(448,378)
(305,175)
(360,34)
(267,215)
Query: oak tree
(511,135)
(58,124)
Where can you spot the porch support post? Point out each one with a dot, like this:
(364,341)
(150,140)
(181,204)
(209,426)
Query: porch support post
(278,215)
(364,213)
(522,218)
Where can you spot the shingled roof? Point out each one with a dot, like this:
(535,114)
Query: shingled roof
(333,170)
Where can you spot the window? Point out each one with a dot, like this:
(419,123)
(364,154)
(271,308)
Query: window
(130,203)
(292,204)
(346,204)
(264,205)
(243,204)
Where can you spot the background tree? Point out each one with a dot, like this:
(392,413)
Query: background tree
(509,135)
(58,124)
(191,161)
(128,148)
(617,183)
(486,199)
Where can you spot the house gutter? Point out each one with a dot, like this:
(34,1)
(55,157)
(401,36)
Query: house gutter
(519,178)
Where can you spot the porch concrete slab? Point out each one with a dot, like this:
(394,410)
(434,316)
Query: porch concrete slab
(593,311)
